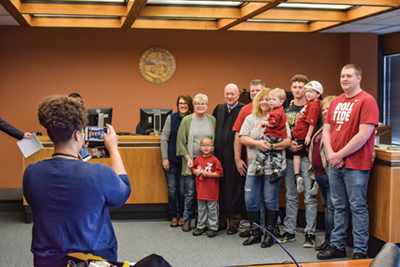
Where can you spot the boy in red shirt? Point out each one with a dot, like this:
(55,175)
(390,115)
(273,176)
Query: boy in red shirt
(208,170)
(305,125)
(275,132)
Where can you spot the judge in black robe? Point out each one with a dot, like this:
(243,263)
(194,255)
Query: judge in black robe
(231,193)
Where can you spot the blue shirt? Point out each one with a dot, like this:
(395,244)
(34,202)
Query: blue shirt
(69,200)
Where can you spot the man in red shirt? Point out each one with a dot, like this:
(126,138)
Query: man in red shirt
(348,136)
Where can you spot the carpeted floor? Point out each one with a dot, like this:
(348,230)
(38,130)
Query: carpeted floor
(137,239)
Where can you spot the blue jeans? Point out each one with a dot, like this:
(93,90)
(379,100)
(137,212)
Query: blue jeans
(190,198)
(176,190)
(323,182)
(257,187)
(349,193)
(292,198)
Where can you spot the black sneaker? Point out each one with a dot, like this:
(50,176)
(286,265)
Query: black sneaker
(287,237)
(200,231)
(211,233)
(359,256)
(310,241)
(331,252)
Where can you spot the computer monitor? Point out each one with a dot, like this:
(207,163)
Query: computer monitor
(99,116)
(153,119)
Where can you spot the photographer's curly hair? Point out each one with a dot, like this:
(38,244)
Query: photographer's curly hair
(62,116)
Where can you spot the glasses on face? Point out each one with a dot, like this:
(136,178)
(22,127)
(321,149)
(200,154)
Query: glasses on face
(200,104)
(206,145)
(182,104)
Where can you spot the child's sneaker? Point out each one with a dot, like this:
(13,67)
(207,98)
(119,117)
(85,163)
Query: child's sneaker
(276,176)
(299,183)
(259,170)
(314,188)
(211,233)
(200,231)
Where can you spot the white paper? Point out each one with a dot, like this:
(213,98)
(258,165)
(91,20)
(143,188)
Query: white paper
(29,146)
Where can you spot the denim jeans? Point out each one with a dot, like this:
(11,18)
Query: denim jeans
(257,187)
(176,190)
(190,198)
(310,201)
(323,182)
(349,193)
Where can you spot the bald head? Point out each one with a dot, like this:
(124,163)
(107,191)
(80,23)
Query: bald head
(231,94)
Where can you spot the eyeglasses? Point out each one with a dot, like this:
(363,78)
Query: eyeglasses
(183,104)
(206,145)
(200,104)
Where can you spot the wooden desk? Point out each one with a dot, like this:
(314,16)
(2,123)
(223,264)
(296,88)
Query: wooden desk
(142,160)
(384,196)
(350,263)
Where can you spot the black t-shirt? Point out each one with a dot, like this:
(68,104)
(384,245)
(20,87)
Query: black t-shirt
(292,113)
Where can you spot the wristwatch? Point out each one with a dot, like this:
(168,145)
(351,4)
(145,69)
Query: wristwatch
(271,145)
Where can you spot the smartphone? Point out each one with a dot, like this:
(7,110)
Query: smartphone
(84,154)
(96,133)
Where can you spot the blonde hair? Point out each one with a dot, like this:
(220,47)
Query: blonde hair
(280,93)
(207,138)
(327,99)
(355,67)
(200,97)
(256,102)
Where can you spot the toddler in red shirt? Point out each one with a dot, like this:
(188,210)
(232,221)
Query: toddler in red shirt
(275,131)
(305,125)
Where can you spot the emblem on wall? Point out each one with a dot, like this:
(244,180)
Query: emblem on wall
(157,64)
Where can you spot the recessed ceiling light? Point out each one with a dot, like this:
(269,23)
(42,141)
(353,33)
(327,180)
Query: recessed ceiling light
(197,3)
(314,6)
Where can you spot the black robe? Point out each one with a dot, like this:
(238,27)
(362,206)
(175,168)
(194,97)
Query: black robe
(231,190)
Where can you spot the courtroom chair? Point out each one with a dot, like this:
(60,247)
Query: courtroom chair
(389,256)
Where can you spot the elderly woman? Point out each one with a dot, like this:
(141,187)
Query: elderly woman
(259,187)
(172,164)
(193,128)
(69,198)
(319,171)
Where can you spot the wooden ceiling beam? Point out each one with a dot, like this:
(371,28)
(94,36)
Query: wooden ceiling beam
(73,9)
(185,12)
(133,10)
(13,8)
(175,24)
(75,23)
(321,25)
(250,10)
(289,14)
(363,12)
(270,27)
(350,2)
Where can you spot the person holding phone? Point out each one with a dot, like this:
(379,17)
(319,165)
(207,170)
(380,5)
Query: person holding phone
(69,198)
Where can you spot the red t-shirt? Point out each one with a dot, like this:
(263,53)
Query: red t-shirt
(277,118)
(207,188)
(316,155)
(309,115)
(244,112)
(345,116)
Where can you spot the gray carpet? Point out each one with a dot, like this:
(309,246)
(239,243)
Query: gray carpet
(137,239)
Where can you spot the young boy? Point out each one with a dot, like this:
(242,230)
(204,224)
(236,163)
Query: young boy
(275,132)
(208,170)
(305,127)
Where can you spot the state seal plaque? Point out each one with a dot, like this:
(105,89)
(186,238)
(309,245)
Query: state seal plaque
(157,64)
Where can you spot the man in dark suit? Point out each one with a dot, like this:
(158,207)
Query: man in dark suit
(12,131)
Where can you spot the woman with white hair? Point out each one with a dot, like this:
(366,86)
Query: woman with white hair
(193,128)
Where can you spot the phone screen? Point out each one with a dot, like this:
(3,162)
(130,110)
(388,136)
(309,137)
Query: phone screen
(84,154)
(96,133)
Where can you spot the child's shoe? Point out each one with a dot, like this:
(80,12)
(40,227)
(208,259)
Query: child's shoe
(314,188)
(299,183)
(276,176)
(259,170)
(211,233)
(200,231)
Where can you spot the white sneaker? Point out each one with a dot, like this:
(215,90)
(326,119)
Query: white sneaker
(314,189)
(300,186)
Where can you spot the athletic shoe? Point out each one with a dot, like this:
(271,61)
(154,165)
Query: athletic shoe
(310,241)
(287,237)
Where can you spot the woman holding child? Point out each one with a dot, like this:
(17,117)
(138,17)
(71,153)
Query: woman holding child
(257,186)
(193,129)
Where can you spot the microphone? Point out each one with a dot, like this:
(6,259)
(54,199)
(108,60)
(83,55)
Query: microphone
(280,244)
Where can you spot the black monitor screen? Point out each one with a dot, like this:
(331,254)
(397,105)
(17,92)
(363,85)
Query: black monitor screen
(99,116)
(153,119)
